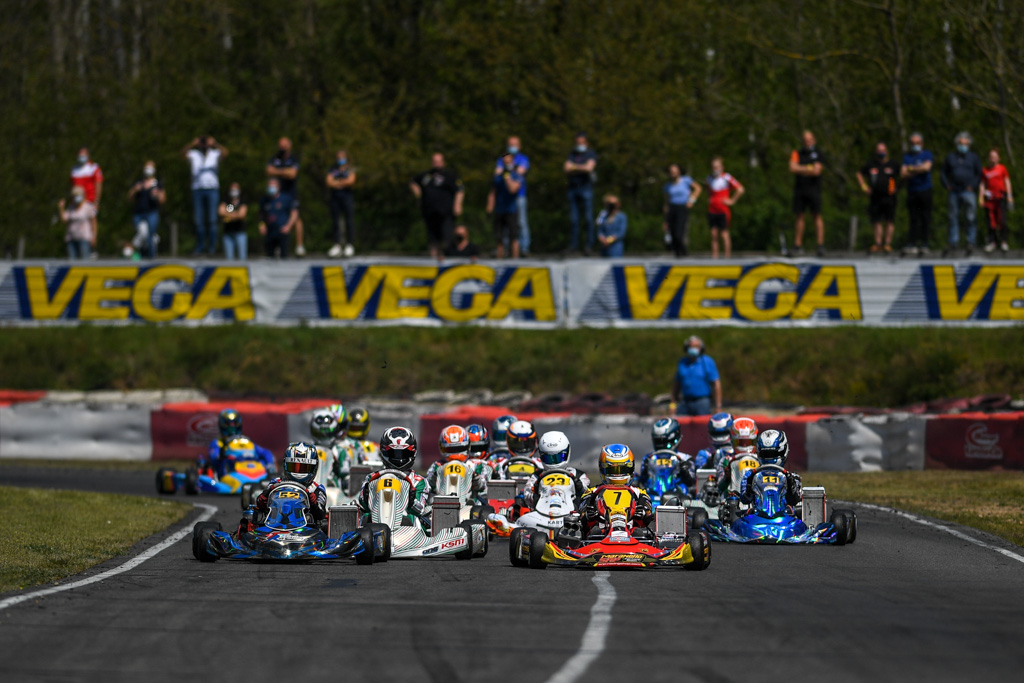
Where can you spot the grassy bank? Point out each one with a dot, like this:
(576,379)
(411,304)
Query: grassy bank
(52,534)
(990,501)
(882,367)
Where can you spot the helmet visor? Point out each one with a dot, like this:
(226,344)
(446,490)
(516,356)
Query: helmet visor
(617,469)
(300,466)
(454,448)
(746,445)
(522,445)
(557,458)
(398,458)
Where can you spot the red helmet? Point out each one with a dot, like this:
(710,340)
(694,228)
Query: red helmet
(744,435)
(454,443)
(479,441)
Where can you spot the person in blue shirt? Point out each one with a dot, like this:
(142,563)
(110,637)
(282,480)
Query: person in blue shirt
(961,176)
(611,228)
(681,193)
(502,201)
(579,172)
(278,216)
(917,171)
(522,166)
(696,381)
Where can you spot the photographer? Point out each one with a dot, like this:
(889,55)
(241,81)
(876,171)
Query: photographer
(233,213)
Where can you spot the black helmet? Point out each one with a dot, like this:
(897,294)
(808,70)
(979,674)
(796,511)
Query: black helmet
(398,448)
(301,461)
(230,423)
(358,423)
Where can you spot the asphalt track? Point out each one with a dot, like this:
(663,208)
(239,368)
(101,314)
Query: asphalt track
(905,602)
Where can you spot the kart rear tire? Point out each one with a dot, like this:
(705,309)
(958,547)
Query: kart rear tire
(247,494)
(538,541)
(385,531)
(163,476)
(480,512)
(471,548)
(514,540)
(842,527)
(192,481)
(366,555)
(700,518)
(851,524)
(700,546)
(201,533)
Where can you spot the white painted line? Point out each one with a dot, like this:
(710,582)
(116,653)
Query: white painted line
(593,638)
(208,511)
(952,532)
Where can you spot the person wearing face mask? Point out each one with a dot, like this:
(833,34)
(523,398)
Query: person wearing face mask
(696,381)
(807,164)
(996,196)
(681,193)
(961,176)
(461,247)
(917,171)
(204,155)
(611,228)
(521,162)
(878,180)
(579,172)
(440,194)
(502,203)
(284,166)
(147,195)
(233,213)
(340,178)
(278,217)
(81,220)
(87,175)
(723,191)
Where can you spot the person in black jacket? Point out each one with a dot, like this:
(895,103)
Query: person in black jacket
(961,176)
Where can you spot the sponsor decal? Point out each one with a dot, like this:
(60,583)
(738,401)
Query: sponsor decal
(631,557)
(982,444)
(981,292)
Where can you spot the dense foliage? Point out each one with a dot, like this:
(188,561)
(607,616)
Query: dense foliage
(393,80)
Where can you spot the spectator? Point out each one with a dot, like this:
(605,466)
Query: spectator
(460,246)
(723,191)
(502,202)
(285,167)
(522,166)
(681,193)
(81,220)
(278,217)
(204,155)
(996,196)
(611,228)
(961,176)
(234,212)
(878,181)
(148,195)
(579,172)
(696,380)
(806,165)
(440,193)
(917,170)
(340,179)
(87,175)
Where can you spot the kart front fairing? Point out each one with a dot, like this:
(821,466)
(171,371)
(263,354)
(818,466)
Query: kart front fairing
(784,529)
(619,549)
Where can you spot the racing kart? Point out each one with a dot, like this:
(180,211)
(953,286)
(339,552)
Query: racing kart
(242,470)
(663,484)
(555,502)
(455,479)
(287,534)
(770,521)
(614,542)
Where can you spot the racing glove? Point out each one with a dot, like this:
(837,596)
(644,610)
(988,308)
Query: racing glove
(417,508)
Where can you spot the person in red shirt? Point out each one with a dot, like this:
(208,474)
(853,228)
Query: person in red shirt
(87,175)
(995,195)
(723,191)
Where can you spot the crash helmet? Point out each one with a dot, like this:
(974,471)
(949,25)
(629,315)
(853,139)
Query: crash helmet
(773,447)
(479,441)
(301,461)
(521,439)
(240,448)
(554,449)
(499,428)
(454,443)
(229,422)
(398,448)
(324,428)
(743,434)
(617,464)
(718,428)
(358,423)
(341,415)
(665,434)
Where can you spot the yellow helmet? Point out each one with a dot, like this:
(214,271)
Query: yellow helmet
(617,464)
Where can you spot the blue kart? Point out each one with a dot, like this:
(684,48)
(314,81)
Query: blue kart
(242,470)
(663,485)
(770,521)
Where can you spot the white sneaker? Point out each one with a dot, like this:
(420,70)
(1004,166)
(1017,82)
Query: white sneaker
(350,251)
(1004,247)
(910,250)
(990,247)
(335,251)
(300,250)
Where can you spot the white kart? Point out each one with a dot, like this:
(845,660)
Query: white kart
(556,493)
(455,479)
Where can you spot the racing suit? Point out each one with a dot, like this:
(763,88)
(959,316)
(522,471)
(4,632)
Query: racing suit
(707,458)
(580,481)
(343,453)
(417,499)
(643,514)
(218,464)
(723,470)
(480,470)
(794,486)
(317,504)
(683,466)
(496,459)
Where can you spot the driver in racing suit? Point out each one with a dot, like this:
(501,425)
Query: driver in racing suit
(326,433)
(719,425)
(773,450)
(743,434)
(229,423)
(521,441)
(454,443)
(665,436)
(554,451)
(398,451)
(358,428)
(617,465)
(498,449)
(301,463)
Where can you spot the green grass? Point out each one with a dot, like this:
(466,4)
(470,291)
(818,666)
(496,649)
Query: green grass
(49,534)
(847,365)
(989,501)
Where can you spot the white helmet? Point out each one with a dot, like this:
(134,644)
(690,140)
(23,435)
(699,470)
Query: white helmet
(555,449)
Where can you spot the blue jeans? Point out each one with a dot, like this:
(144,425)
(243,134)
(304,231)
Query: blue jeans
(524,225)
(968,200)
(152,219)
(236,245)
(694,406)
(581,199)
(204,208)
(79,249)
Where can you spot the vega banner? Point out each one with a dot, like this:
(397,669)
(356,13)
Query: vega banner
(527,294)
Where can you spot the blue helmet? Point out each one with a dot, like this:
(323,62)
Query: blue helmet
(229,422)
(616,463)
(718,428)
(499,428)
(665,434)
(773,447)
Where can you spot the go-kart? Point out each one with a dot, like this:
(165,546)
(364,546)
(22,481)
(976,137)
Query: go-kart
(455,479)
(614,542)
(770,521)
(663,484)
(288,533)
(241,468)
(556,492)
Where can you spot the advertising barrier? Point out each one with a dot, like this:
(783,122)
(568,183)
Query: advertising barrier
(526,294)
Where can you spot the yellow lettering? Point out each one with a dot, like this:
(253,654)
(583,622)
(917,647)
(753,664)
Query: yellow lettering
(395,291)
(95,293)
(697,292)
(541,299)
(142,296)
(479,303)
(43,307)
(342,304)
(746,289)
(237,299)
(642,305)
(846,299)
(1008,290)
(951,305)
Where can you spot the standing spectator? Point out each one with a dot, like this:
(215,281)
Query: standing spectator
(87,175)
(806,165)
(502,202)
(522,166)
(234,212)
(204,155)
(723,191)
(81,220)
(148,195)
(278,217)
(681,193)
(460,246)
(579,172)
(878,181)
(611,228)
(917,170)
(696,380)
(340,179)
(961,176)
(440,193)
(996,196)
(285,167)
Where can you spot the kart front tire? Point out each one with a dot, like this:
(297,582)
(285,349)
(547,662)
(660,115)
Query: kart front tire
(515,539)
(851,524)
(201,534)
(247,495)
(471,548)
(538,541)
(700,518)
(700,546)
(841,526)
(165,482)
(366,554)
(192,481)
(385,532)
